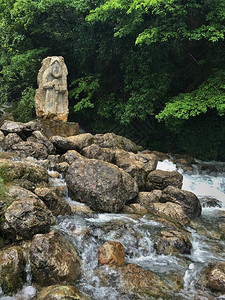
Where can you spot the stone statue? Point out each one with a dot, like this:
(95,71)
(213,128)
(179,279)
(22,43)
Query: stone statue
(51,99)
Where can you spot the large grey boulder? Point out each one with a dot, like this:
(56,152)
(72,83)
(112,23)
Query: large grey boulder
(53,259)
(215,276)
(158,180)
(28,217)
(101,185)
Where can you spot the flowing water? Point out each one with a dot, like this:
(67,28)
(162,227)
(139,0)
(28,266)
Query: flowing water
(89,232)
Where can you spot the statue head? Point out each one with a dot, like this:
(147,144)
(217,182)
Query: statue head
(56,69)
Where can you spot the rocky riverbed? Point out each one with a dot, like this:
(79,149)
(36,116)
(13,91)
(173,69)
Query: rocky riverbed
(97,217)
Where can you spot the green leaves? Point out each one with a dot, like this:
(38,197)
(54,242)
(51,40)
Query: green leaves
(209,95)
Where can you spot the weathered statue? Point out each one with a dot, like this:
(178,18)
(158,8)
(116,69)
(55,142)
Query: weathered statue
(51,99)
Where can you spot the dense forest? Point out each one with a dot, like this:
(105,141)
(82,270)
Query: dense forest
(152,70)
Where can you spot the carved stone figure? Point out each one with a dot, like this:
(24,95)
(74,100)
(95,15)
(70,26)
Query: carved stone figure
(51,99)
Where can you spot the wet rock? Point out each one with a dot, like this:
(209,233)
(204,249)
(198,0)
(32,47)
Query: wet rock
(215,276)
(187,200)
(70,156)
(53,200)
(170,210)
(54,175)
(62,167)
(81,208)
(172,242)
(210,202)
(138,280)
(158,180)
(59,292)
(11,139)
(36,150)
(78,142)
(53,259)
(134,208)
(160,155)
(27,217)
(111,253)
(39,137)
(101,185)
(96,152)
(147,198)
(111,140)
(137,165)
(12,273)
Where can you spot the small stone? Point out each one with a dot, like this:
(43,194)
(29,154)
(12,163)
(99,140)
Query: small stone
(111,253)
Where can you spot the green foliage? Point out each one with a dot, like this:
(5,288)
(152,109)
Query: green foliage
(209,95)
(24,110)
(83,91)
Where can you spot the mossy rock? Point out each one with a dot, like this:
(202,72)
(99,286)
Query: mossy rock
(12,270)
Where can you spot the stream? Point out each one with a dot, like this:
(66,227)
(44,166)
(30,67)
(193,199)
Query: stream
(136,233)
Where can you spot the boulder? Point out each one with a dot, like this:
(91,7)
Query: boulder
(137,165)
(12,127)
(96,152)
(101,185)
(138,280)
(210,202)
(147,198)
(215,276)
(18,193)
(39,137)
(59,292)
(53,259)
(53,200)
(158,180)
(34,149)
(170,210)
(78,142)
(12,269)
(22,129)
(111,253)
(60,143)
(27,217)
(172,242)
(11,139)
(70,156)
(14,170)
(111,140)
(187,200)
